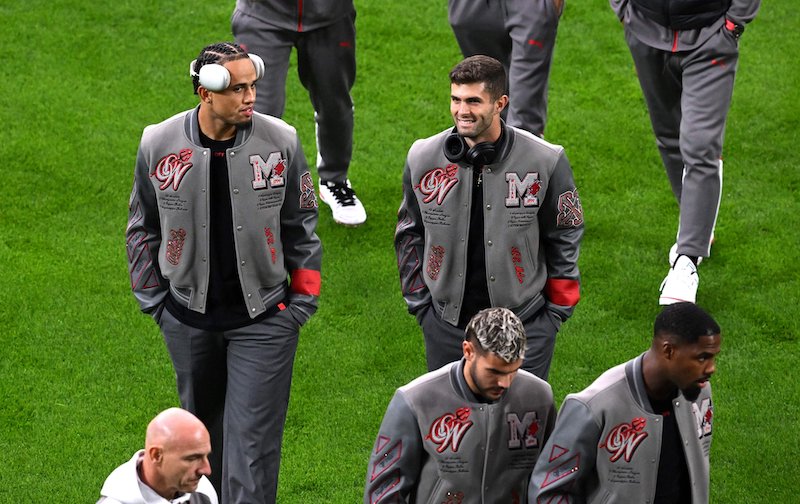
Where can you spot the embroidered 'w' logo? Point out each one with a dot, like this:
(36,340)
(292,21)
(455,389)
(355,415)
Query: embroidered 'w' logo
(437,183)
(448,430)
(624,439)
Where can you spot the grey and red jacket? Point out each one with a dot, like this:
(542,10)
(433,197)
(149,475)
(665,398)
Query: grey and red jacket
(297,15)
(439,443)
(607,440)
(533,225)
(684,24)
(274,216)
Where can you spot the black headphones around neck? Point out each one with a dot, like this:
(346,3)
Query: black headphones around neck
(480,154)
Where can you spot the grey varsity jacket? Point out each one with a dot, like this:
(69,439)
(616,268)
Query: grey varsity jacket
(274,216)
(606,443)
(533,225)
(437,443)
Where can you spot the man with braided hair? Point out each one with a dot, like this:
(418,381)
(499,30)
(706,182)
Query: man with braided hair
(642,431)
(470,431)
(223,253)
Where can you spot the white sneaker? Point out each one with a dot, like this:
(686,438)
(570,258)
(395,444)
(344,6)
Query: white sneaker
(673,255)
(347,209)
(681,283)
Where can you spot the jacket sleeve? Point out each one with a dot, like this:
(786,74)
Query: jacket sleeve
(619,6)
(409,245)
(396,459)
(143,240)
(301,245)
(567,460)
(743,11)
(561,228)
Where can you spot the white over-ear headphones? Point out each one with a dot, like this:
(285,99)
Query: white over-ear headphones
(216,77)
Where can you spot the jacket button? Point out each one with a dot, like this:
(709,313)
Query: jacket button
(491,278)
(249,295)
(235,191)
(204,259)
(489,243)
(252,309)
(488,207)
(242,263)
(233,154)
(238,228)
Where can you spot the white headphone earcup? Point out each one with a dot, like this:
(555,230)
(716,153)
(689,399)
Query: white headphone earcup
(214,77)
(258,63)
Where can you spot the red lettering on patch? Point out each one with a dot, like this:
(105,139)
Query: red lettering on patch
(448,430)
(435,260)
(623,439)
(175,242)
(516,258)
(270,242)
(171,169)
(436,183)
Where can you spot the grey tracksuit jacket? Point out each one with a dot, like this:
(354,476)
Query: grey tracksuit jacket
(533,225)
(438,443)
(274,212)
(606,443)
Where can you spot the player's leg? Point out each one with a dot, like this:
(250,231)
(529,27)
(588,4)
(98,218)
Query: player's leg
(274,46)
(660,81)
(532,25)
(708,79)
(479,28)
(442,340)
(326,64)
(199,360)
(260,362)
(540,329)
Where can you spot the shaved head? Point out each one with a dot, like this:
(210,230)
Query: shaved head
(176,452)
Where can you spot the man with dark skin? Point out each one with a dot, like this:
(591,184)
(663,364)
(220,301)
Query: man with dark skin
(642,431)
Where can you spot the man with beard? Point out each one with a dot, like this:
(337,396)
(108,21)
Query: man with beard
(642,431)
(490,217)
(223,253)
(469,431)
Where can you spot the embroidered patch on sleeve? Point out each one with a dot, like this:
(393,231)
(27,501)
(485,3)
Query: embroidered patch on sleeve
(570,211)
(308,198)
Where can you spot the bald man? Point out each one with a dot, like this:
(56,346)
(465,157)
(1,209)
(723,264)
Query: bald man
(172,468)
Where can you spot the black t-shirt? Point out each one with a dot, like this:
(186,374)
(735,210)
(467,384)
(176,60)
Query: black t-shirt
(225,307)
(673,485)
(476,291)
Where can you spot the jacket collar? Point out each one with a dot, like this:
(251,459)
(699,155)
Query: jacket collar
(191,126)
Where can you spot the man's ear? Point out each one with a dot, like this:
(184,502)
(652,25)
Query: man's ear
(469,349)
(501,103)
(155,454)
(205,94)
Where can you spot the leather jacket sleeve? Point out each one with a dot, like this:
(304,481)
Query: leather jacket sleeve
(561,224)
(396,459)
(143,240)
(567,459)
(301,245)
(409,244)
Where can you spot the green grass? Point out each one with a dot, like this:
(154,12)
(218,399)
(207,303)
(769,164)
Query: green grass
(82,371)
